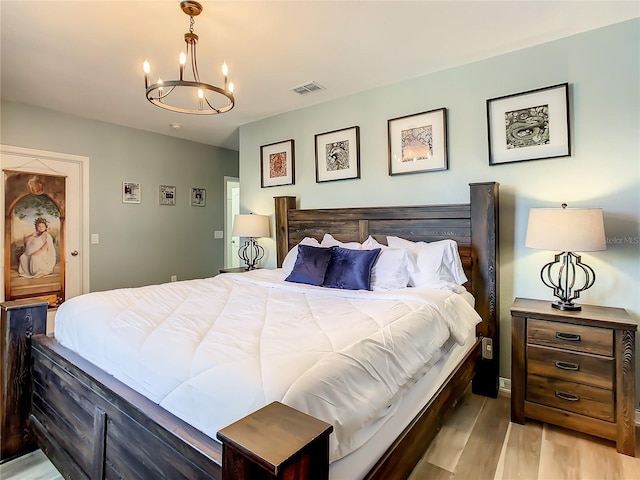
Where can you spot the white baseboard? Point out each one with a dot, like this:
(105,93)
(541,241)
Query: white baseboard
(504,386)
(505,389)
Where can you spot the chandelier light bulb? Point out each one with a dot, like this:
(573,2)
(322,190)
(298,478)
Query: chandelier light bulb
(225,69)
(231,87)
(146,67)
(182,59)
(200,94)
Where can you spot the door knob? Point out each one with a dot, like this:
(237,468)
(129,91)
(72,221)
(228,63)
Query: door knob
(74,253)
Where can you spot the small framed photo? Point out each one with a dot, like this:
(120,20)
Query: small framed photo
(529,126)
(198,197)
(130,192)
(278,164)
(338,155)
(418,142)
(167,195)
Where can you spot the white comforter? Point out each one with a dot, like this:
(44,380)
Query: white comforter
(213,350)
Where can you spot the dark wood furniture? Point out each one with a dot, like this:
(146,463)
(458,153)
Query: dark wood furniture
(20,320)
(575,369)
(276,442)
(92,426)
(234,270)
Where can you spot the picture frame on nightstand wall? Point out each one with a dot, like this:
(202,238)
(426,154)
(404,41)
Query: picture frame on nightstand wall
(531,125)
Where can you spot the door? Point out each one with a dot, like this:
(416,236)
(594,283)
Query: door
(73,253)
(231,209)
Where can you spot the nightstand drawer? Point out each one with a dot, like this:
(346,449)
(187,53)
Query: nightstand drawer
(574,367)
(568,336)
(573,397)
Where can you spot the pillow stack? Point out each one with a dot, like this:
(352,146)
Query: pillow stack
(334,267)
(374,266)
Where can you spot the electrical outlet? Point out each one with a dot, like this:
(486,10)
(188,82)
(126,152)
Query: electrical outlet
(487,348)
(218,234)
(174,278)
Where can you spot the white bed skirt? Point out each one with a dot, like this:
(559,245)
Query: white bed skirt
(358,463)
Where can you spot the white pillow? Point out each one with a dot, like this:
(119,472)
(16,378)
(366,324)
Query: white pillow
(290,259)
(329,241)
(437,264)
(392,269)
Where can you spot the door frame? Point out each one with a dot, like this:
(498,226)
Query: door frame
(83,165)
(228,222)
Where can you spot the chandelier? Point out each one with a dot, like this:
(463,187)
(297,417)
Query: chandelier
(190,96)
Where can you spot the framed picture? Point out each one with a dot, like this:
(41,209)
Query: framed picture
(529,126)
(418,142)
(277,161)
(198,197)
(338,155)
(167,195)
(130,192)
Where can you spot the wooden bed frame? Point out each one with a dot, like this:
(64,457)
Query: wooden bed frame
(92,426)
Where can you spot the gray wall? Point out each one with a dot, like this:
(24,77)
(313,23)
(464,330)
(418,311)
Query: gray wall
(142,243)
(603,70)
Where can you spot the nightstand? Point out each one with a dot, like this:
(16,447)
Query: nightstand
(276,442)
(574,369)
(234,270)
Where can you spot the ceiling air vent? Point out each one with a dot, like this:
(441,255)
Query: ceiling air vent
(308,88)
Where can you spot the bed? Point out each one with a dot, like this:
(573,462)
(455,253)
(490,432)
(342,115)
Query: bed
(93,426)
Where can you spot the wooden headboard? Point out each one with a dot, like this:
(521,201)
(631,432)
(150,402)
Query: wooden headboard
(473,225)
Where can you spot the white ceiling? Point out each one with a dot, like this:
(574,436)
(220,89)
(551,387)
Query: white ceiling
(85,57)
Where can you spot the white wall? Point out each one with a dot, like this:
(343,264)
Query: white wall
(603,70)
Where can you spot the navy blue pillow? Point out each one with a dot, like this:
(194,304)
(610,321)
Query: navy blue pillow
(350,269)
(311,265)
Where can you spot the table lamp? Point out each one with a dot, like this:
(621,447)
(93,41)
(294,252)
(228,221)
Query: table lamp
(250,226)
(566,230)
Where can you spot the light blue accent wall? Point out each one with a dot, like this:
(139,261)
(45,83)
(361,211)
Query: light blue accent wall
(603,69)
(144,243)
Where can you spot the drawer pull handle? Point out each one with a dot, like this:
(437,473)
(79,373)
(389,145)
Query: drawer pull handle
(567,396)
(567,365)
(571,337)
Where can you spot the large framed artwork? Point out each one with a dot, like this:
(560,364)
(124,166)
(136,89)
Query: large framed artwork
(34,229)
(530,125)
(338,155)
(418,142)
(278,165)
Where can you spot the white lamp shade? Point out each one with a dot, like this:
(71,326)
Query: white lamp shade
(566,229)
(250,226)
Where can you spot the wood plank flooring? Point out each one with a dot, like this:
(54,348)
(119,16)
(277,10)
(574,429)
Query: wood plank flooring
(478,442)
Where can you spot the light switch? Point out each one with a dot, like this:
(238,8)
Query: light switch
(218,234)
(95,239)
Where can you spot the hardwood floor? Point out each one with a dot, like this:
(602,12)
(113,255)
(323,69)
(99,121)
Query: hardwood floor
(478,442)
